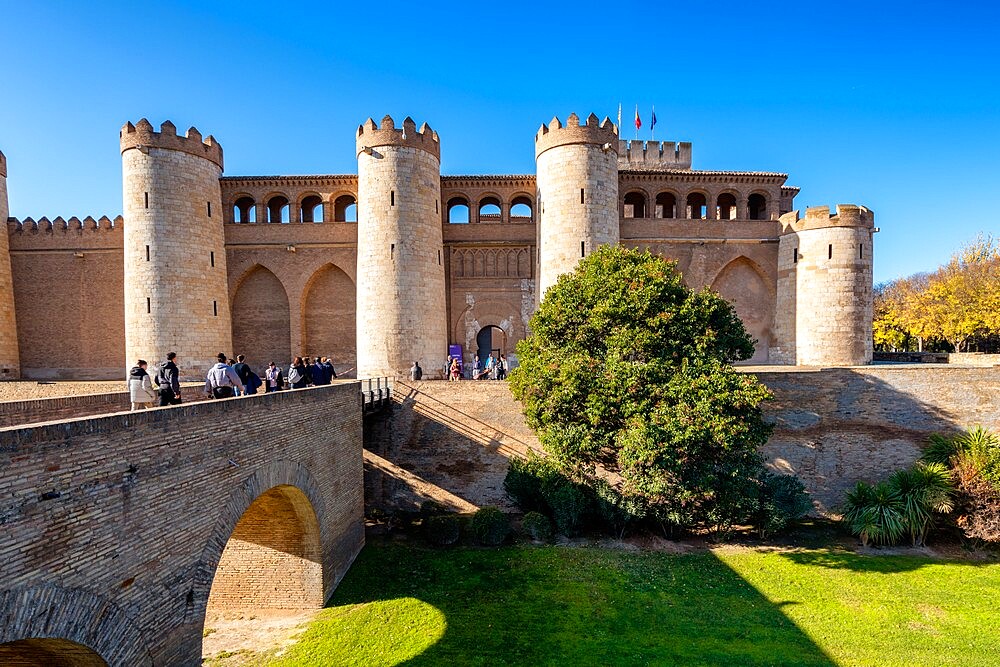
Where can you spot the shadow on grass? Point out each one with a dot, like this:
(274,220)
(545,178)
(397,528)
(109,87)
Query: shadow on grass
(565,606)
(887,561)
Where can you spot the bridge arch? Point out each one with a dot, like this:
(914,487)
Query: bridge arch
(67,627)
(267,545)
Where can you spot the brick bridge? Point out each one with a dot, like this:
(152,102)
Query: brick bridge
(116,531)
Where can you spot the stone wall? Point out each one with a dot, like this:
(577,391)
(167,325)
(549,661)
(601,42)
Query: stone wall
(111,528)
(10,367)
(33,411)
(833,427)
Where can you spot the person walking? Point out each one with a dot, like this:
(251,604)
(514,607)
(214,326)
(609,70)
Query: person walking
(273,378)
(320,375)
(222,381)
(168,381)
(243,370)
(330,370)
(140,387)
(488,370)
(297,374)
(416,372)
(502,367)
(476,368)
(456,370)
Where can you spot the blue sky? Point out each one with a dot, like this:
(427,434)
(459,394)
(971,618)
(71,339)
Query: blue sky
(890,105)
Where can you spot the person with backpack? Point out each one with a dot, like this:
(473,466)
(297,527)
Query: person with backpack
(297,374)
(222,381)
(168,381)
(243,370)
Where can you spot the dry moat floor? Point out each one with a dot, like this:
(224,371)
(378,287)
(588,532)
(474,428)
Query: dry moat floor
(645,602)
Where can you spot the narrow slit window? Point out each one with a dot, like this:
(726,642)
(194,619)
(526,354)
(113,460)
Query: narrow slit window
(829,251)
(147,253)
(149,305)
(209,209)
(392,197)
(215,308)
(436,206)
(583,249)
(795,255)
(439,258)
(392,251)
(145,196)
(861,251)
(581,195)
(211,257)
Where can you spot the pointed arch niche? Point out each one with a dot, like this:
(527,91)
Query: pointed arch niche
(742,283)
(329,318)
(261,320)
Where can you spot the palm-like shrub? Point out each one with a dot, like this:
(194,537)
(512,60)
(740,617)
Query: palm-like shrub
(941,449)
(924,490)
(875,513)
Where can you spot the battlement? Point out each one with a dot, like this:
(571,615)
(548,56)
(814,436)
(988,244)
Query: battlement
(371,136)
(3,165)
(142,136)
(819,217)
(652,155)
(600,132)
(43,224)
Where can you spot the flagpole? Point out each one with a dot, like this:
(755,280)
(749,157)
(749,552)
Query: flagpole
(636,124)
(652,124)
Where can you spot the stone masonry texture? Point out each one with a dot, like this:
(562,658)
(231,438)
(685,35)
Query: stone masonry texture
(113,528)
(10,366)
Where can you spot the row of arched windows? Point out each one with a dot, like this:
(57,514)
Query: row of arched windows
(489,209)
(310,208)
(693,207)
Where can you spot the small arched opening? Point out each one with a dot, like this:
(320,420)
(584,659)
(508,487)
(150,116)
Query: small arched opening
(491,339)
(49,652)
(697,208)
(635,205)
(725,207)
(666,205)
(311,209)
(345,209)
(757,207)
(272,560)
(489,209)
(520,209)
(458,211)
(277,209)
(245,210)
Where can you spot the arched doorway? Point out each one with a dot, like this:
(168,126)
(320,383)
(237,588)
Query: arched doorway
(261,320)
(273,559)
(491,339)
(48,652)
(329,318)
(741,284)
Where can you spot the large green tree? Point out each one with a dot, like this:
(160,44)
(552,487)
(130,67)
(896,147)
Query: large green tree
(627,376)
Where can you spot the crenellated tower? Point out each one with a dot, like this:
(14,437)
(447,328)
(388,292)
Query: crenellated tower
(176,294)
(577,180)
(401,314)
(823,313)
(10,366)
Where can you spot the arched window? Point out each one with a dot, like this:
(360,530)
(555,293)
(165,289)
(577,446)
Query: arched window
(635,205)
(520,209)
(458,210)
(277,209)
(245,210)
(489,209)
(725,207)
(345,209)
(312,209)
(696,207)
(757,207)
(666,205)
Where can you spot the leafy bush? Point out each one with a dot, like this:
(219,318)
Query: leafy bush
(537,526)
(978,503)
(443,530)
(525,479)
(430,508)
(490,526)
(569,507)
(875,513)
(615,509)
(781,500)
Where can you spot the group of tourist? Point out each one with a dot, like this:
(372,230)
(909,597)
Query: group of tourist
(491,369)
(225,379)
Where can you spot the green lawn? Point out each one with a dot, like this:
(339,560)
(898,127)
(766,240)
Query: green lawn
(590,606)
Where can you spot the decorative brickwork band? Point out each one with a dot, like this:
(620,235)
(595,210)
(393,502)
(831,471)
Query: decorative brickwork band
(372,136)
(141,135)
(594,131)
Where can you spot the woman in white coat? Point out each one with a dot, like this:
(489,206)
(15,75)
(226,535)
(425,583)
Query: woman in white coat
(140,387)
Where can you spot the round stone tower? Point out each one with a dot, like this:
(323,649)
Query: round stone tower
(401,292)
(176,293)
(577,177)
(823,314)
(10,368)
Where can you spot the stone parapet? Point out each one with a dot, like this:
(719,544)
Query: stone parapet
(654,154)
(386,134)
(142,136)
(819,217)
(600,132)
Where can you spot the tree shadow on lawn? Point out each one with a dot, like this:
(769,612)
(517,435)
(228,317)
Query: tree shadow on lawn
(889,560)
(580,606)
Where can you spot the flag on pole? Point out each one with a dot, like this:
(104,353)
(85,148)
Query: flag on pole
(652,122)
(619,116)
(638,121)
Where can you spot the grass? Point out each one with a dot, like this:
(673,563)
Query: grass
(591,606)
